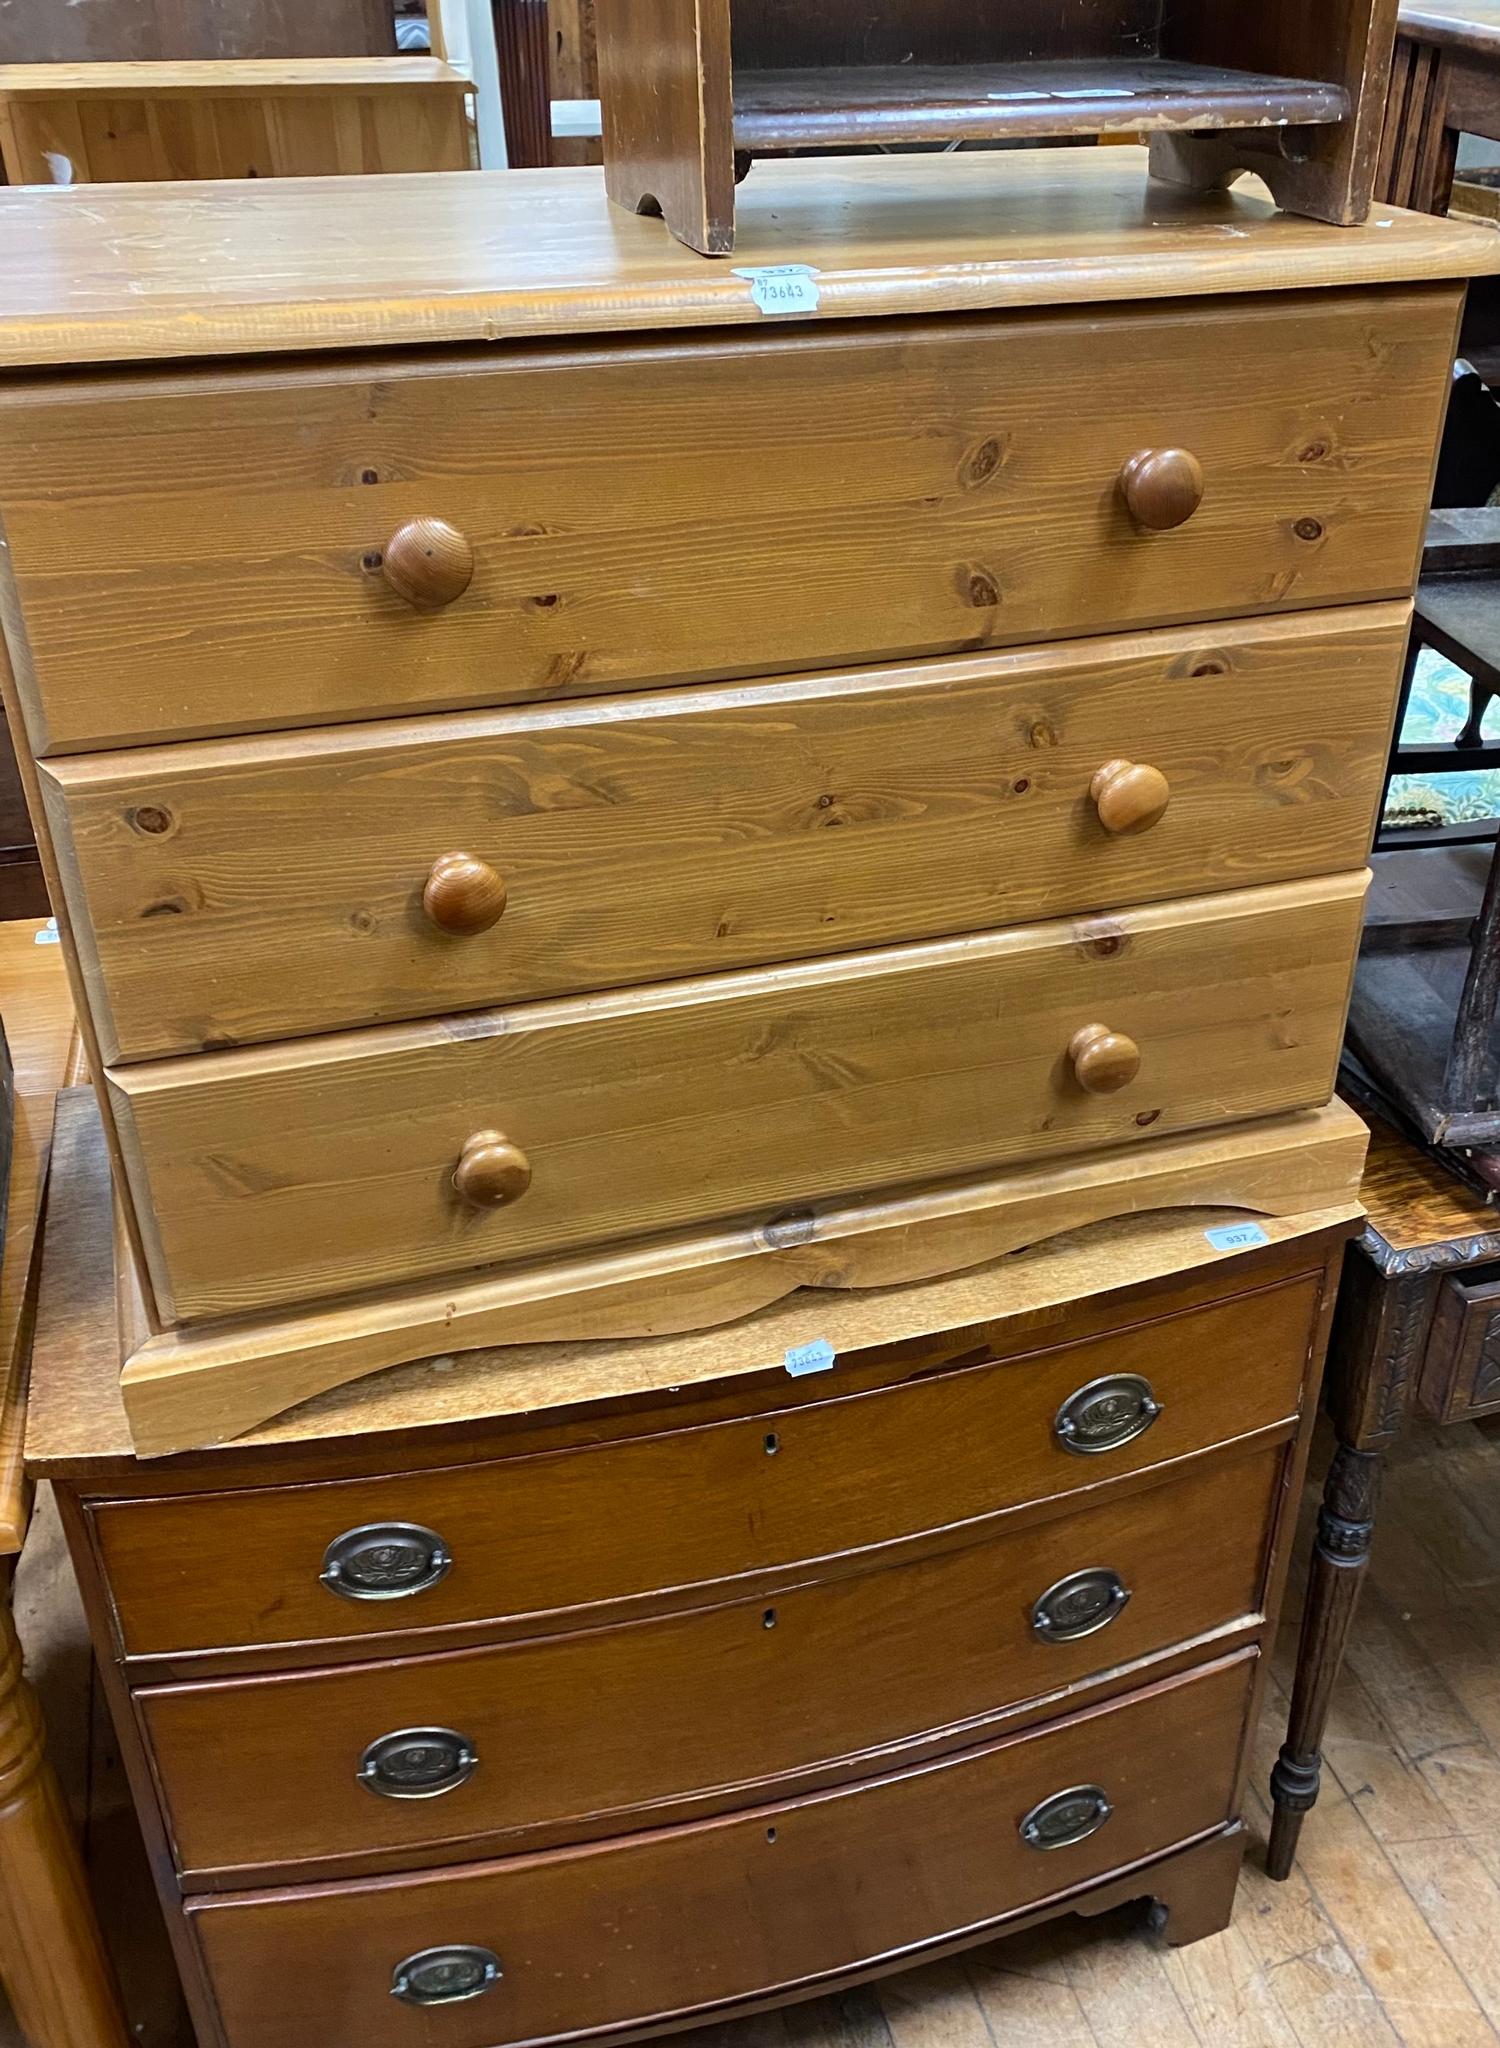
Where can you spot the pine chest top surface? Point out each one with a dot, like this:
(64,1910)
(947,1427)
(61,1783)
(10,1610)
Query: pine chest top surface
(137,273)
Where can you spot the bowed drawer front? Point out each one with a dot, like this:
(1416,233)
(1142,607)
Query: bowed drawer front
(252,890)
(683,1919)
(196,555)
(342,1163)
(509,1742)
(534,1542)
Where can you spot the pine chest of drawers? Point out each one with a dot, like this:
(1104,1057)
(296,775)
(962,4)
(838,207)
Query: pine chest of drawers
(580,809)
(596,1690)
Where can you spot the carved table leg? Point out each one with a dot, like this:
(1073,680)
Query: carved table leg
(51,1959)
(1340,1558)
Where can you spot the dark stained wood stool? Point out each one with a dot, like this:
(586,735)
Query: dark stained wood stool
(1417,1326)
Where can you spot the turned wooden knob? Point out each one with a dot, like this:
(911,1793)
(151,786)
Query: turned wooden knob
(463,895)
(1104,1061)
(428,562)
(1163,487)
(1131,797)
(491,1171)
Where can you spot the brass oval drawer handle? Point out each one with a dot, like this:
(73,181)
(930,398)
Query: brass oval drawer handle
(1106,1414)
(1130,796)
(491,1171)
(1066,1818)
(445,1976)
(417,1763)
(385,1561)
(1163,487)
(1079,1605)
(1104,1061)
(428,562)
(463,896)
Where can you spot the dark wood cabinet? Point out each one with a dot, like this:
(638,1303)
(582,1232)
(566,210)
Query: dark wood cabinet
(694,89)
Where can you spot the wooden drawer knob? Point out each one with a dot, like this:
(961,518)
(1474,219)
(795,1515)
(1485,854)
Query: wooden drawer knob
(463,895)
(1163,487)
(1131,797)
(428,562)
(492,1171)
(1103,1060)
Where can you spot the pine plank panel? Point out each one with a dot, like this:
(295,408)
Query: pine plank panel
(196,556)
(1227,1994)
(1460,1901)
(275,1175)
(1023,1993)
(223,893)
(1125,1993)
(935,2006)
(1316,1982)
(1423,1994)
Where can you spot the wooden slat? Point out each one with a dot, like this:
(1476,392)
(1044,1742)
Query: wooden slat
(37,1011)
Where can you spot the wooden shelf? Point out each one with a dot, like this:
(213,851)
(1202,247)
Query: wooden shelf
(828,108)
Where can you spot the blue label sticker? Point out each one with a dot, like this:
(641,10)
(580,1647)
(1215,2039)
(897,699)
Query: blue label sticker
(47,936)
(1236,1237)
(815,1357)
(783,287)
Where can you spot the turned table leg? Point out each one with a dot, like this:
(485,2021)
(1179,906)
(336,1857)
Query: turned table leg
(1380,1333)
(51,1959)
(1340,1558)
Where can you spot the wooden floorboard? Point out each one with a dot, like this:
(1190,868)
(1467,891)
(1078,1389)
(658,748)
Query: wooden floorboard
(1386,1936)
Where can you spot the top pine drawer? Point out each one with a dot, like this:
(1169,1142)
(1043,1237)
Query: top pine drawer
(259,548)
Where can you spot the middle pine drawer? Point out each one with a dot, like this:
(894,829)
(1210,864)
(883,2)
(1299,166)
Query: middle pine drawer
(284,1173)
(236,891)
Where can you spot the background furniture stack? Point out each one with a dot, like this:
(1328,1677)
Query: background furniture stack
(574,1019)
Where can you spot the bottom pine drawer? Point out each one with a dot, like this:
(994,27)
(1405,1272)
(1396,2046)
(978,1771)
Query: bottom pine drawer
(685,1920)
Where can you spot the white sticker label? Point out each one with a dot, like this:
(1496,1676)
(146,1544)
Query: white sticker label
(815,1357)
(47,936)
(1236,1237)
(783,287)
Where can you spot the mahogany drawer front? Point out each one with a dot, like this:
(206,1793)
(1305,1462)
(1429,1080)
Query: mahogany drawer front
(246,890)
(1461,1368)
(686,1918)
(196,555)
(695,1707)
(290,1173)
(538,1538)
